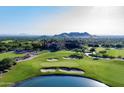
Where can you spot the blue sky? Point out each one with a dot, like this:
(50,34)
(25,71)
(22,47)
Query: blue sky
(16,20)
(46,20)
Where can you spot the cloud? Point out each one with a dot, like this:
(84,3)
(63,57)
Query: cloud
(95,20)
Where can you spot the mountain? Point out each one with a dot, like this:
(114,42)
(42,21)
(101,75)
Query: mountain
(73,35)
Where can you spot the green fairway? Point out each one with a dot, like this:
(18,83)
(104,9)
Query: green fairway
(109,72)
(9,55)
(7,41)
(116,52)
(100,49)
(112,52)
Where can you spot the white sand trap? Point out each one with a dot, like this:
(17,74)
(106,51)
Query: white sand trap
(87,54)
(62,70)
(52,59)
(48,70)
(72,71)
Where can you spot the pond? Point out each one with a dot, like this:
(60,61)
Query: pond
(60,81)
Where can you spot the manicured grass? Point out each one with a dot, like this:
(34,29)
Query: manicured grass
(7,41)
(112,52)
(109,72)
(116,52)
(9,55)
(100,49)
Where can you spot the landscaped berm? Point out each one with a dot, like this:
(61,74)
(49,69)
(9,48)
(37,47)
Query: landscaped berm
(109,72)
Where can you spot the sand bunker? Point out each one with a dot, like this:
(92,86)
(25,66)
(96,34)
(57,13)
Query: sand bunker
(71,71)
(48,70)
(63,69)
(52,59)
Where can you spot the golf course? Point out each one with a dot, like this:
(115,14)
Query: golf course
(112,52)
(52,46)
(109,72)
(9,55)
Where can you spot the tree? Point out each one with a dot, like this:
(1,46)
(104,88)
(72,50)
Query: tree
(77,55)
(53,47)
(118,46)
(72,44)
(78,50)
(36,46)
(102,52)
(84,49)
(3,48)
(92,50)
(6,63)
(105,56)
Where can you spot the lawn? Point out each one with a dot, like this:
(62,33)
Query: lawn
(109,72)
(116,52)
(100,49)
(112,52)
(7,41)
(9,55)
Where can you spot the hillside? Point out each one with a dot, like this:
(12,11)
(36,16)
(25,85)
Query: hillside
(74,35)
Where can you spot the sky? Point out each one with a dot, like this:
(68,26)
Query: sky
(50,20)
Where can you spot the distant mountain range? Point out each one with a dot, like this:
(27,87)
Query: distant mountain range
(73,35)
(63,35)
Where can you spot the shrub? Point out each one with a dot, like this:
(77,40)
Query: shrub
(76,55)
(103,52)
(119,56)
(6,64)
(105,56)
(95,58)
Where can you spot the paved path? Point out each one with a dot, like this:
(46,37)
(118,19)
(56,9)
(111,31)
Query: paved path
(30,58)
